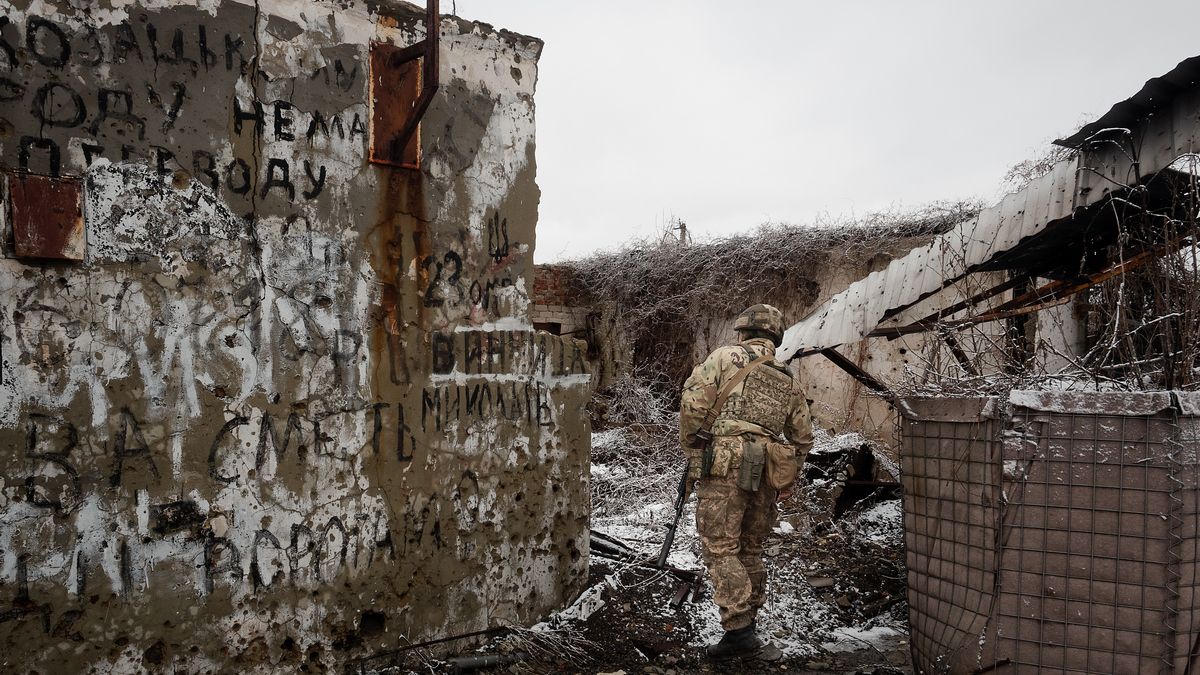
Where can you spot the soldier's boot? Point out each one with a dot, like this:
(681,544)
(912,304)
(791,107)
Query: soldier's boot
(738,643)
(767,652)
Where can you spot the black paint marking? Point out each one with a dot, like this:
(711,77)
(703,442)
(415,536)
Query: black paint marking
(54,58)
(175,56)
(268,439)
(283,123)
(126,569)
(221,555)
(175,517)
(6,47)
(45,105)
(204,164)
(125,43)
(255,573)
(117,105)
(283,180)
(317,182)
(123,450)
(55,155)
(11,90)
(240,117)
(161,157)
(58,458)
(90,152)
(213,460)
(238,164)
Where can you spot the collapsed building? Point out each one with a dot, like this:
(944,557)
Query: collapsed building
(270,397)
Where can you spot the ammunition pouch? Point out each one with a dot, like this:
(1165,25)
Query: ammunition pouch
(782,465)
(754,458)
(722,456)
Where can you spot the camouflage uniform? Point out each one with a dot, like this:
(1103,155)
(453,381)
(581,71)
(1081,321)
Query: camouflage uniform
(733,522)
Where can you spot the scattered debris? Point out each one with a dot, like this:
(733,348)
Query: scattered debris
(466,664)
(836,591)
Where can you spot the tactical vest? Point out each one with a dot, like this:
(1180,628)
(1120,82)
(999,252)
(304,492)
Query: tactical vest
(763,399)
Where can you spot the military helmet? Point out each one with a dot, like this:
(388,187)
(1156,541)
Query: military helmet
(761,317)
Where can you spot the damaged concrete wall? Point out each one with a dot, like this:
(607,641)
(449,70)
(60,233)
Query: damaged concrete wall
(287,406)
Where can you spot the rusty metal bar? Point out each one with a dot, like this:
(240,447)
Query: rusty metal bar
(429,78)
(959,355)
(428,50)
(1050,295)
(857,373)
(900,331)
(968,302)
(960,305)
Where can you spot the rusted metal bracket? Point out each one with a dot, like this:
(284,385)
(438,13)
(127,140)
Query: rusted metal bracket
(394,82)
(46,215)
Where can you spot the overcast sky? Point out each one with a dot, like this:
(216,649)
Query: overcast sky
(731,114)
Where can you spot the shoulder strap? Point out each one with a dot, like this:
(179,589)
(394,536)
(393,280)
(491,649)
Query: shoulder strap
(710,418)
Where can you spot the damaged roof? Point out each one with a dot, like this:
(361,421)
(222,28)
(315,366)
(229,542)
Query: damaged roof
(1155,94)
(1040,228)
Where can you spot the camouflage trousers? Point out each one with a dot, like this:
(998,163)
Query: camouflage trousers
(732,524)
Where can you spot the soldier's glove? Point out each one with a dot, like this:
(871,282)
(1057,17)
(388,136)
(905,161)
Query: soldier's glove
(693,475)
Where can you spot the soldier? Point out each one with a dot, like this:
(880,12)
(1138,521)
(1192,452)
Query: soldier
(736,507)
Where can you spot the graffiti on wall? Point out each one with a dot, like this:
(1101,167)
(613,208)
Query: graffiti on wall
(161,87)
(199,408)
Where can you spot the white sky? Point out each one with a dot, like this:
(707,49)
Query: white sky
(731,114)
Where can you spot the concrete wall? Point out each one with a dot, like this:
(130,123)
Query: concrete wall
(289,407)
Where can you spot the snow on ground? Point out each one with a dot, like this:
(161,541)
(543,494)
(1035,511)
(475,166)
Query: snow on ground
(608,472)
(853,639)
(824,443)
(633,497)
(882,523)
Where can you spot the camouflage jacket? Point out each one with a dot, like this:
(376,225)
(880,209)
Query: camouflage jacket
(770,402)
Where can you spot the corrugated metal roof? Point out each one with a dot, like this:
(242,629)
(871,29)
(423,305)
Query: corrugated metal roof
(851,314)
(1155,94)
(1020,219)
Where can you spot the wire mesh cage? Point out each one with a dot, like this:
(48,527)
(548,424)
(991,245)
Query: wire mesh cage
(1053,532)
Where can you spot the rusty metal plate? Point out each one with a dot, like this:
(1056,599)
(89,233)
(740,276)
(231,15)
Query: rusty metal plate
(47,216)
(395,88)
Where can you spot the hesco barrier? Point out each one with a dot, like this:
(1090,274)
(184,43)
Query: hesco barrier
(1053,532)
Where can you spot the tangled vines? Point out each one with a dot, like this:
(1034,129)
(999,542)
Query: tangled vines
(663,293)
